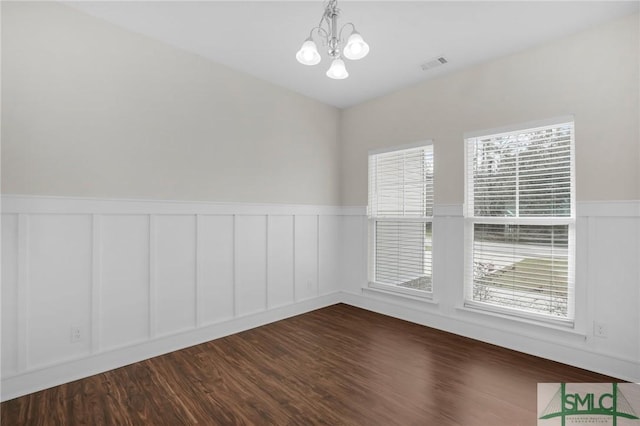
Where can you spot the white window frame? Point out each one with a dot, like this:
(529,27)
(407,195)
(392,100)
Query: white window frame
(373,220)
(471,220)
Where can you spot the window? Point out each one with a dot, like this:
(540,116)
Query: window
(520,221)
(400,218)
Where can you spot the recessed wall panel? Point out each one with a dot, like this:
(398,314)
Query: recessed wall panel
(354,256)
(280,255)
(59,287)
(9,293)
(613,270)
(306,255)
(215,265)
(124,280)
(251,264)
(329,257)
(175,256)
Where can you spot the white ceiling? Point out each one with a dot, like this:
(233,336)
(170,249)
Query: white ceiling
(261,38)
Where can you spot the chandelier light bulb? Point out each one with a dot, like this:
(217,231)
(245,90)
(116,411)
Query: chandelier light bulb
(337,71)
(356,47)
(308,53)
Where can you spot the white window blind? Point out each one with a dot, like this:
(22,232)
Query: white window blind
(400,212)
(520,215)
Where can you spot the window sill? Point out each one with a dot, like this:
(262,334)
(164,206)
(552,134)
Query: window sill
(404,293)
(568,328)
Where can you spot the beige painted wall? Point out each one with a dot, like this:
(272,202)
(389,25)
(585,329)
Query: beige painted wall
(593,75)
(89,109)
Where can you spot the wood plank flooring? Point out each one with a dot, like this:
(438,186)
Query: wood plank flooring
(335,366)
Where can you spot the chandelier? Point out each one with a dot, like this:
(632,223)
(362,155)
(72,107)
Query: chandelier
(327,31)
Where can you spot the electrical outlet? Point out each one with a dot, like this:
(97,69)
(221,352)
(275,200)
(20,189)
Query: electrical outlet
(76,334)
(600,329)
(309,284)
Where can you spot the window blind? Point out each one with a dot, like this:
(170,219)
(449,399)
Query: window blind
(403,254)
(400,210)
(401,183)
(520,211)
(522,174)
(522,266)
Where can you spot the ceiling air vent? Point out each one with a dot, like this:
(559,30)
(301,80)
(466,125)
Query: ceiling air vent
(433,63)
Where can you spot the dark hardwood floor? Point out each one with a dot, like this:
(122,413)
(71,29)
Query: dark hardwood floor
(336,366)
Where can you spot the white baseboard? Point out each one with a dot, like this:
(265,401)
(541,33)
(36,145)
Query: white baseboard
(43,378)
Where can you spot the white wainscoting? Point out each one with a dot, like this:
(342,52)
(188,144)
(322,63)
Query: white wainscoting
(141,278)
